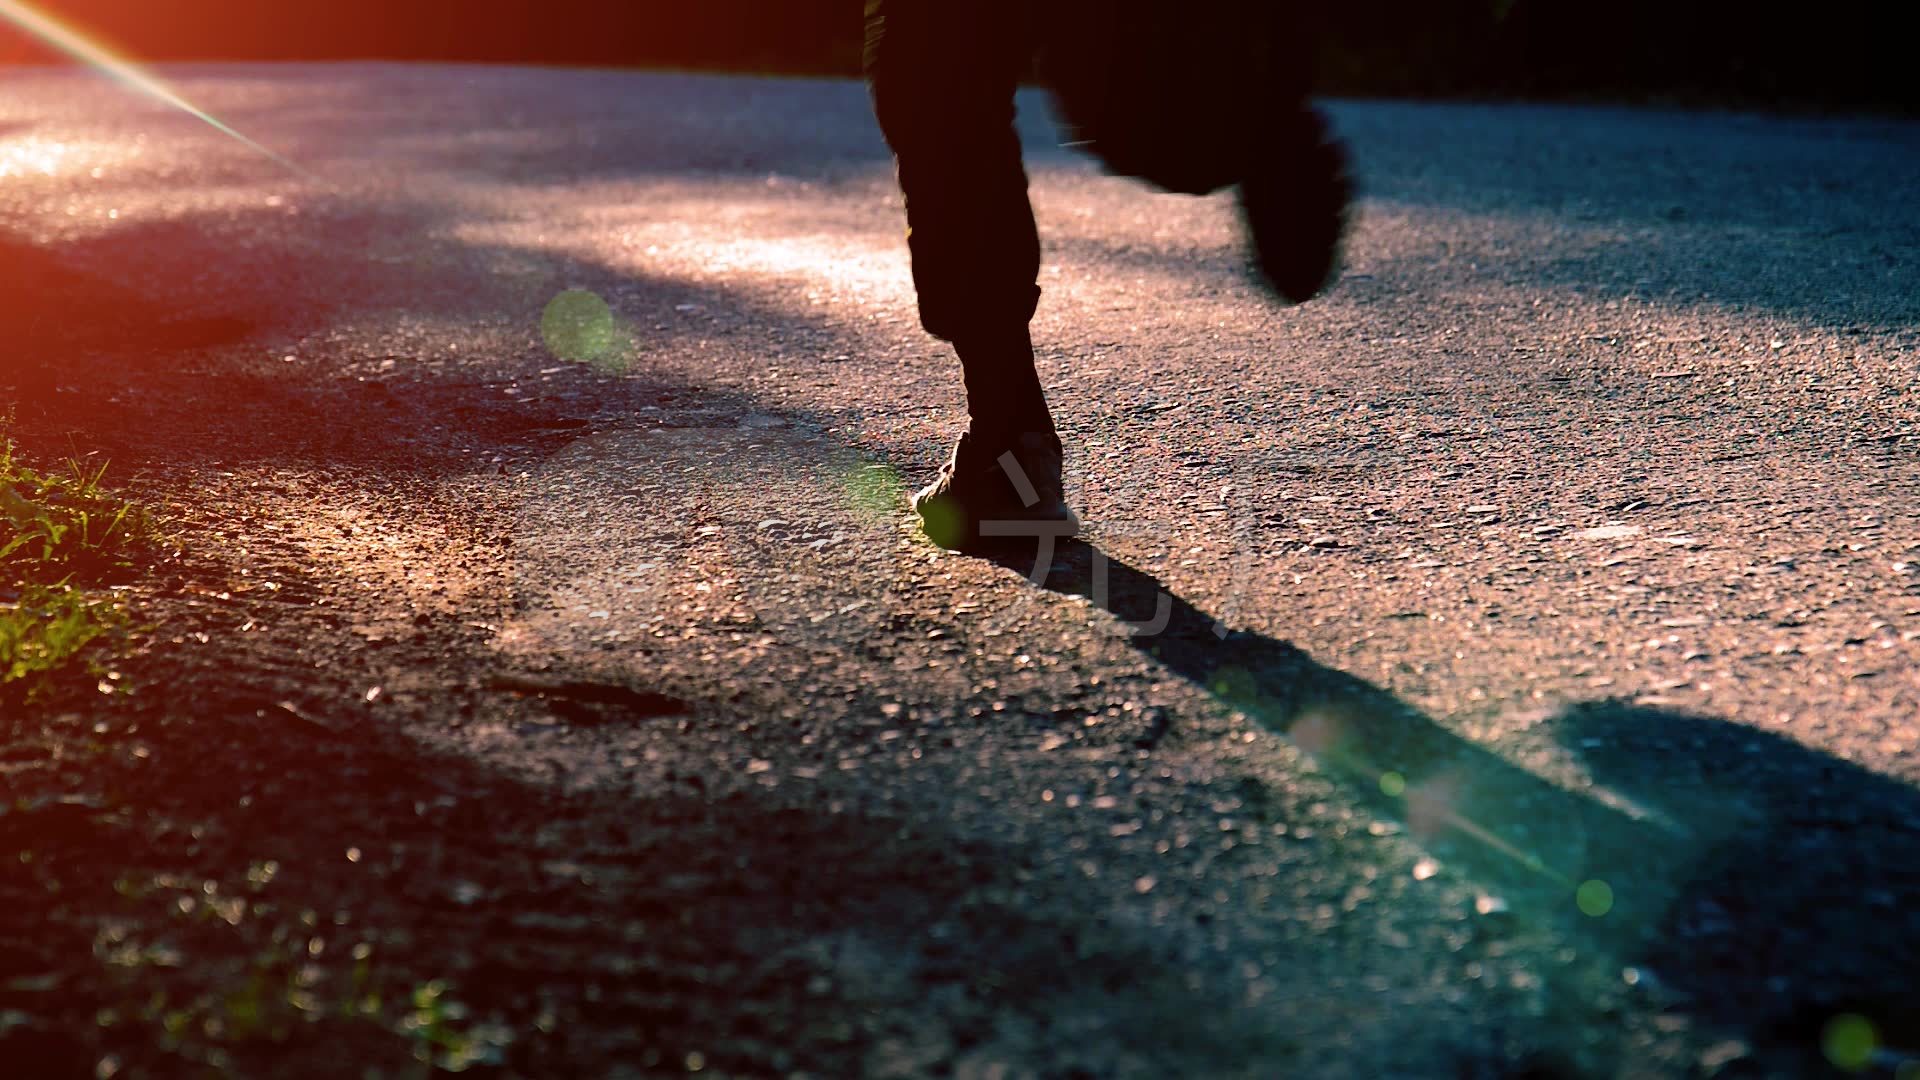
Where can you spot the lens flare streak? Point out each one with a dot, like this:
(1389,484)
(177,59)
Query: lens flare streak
(1496,842)
(1323,745)
(79,47)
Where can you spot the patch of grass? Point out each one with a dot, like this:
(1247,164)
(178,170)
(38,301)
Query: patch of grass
(46,627)
(250,977)
(442,1035)
(59,524)
(59,531)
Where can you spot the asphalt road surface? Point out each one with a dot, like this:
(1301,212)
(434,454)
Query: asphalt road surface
(1502,665)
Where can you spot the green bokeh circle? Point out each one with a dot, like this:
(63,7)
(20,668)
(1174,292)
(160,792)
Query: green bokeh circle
(1849,1041)
(578,325)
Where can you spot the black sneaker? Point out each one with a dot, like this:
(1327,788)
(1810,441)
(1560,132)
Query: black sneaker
(1009,489)
(1295,201)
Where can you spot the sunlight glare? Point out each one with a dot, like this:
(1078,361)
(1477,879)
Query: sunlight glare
(97,56)
(31,156)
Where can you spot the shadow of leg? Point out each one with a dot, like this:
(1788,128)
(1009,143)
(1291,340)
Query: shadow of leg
(1554,856)
(1743,869)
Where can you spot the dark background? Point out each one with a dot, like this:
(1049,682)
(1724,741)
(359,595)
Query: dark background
(1839,53)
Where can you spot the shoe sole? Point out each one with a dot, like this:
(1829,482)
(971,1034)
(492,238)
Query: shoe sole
(950,528)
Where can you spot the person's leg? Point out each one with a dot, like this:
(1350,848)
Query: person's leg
(943,75)
(1197,98)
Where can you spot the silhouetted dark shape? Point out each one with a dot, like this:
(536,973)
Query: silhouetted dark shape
(1191,101)
(1195,99)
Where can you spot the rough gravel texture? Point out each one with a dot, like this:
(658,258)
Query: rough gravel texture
(1502,666)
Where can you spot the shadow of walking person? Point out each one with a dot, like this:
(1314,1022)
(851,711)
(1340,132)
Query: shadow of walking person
(1697,840)
(1530,843)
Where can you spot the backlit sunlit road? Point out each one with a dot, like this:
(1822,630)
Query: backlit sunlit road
(1565,558)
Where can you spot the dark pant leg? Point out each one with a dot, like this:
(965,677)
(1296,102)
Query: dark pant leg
(1178,95)
(943,75)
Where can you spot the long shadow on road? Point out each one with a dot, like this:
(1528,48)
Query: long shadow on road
(1764,887)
